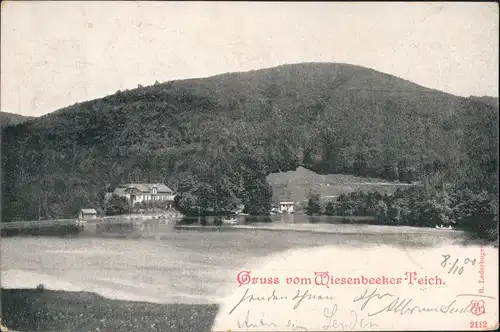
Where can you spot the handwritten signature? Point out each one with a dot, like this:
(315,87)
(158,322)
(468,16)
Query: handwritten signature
(266,323)
(274,297)
(251,298)
(372,302)
(387,302)
(353,324)
(332,323)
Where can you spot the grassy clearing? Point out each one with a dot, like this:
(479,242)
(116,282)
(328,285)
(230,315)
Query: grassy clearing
(47,310)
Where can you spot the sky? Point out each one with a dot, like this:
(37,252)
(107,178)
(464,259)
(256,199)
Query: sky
(54,54)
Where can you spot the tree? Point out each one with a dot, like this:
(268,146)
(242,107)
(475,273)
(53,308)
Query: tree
(205,196)
(186,203)
(101,196)
(344,205)
(313,205)
(258,198)
(481,219)
(398,211)
(330,209)
(381,212)
(117,205)
(390,172)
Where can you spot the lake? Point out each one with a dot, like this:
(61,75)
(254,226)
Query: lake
(282,218)
(187,266)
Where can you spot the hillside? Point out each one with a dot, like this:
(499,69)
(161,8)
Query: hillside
(215,139)
(492,101)
(8,119)
(296,185)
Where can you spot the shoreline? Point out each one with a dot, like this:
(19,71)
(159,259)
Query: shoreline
(167,230)
(328,228)
(348,229)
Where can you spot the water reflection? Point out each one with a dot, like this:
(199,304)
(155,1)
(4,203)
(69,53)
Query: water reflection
(282,218)
(224,220)
(153,227)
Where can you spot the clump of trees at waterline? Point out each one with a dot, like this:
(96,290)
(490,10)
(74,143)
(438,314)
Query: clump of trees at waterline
(476,213)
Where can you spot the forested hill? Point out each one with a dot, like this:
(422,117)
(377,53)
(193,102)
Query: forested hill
(215,139)
(492,101)
(8,119)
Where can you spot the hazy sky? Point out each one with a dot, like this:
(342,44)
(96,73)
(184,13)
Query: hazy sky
(54,54)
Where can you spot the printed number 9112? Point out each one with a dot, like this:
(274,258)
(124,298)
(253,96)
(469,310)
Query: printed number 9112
(478,325)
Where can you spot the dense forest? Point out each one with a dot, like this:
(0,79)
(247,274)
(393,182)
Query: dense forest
(214,140)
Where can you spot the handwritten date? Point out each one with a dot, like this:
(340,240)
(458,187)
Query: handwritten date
(456,267)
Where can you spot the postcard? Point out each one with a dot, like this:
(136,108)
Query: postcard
(249,166)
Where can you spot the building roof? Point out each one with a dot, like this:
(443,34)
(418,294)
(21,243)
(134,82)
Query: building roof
(145,187)
(120,191)
(89,211)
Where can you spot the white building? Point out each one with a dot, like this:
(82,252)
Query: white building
(87,214)
(286,207)
(143,192)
